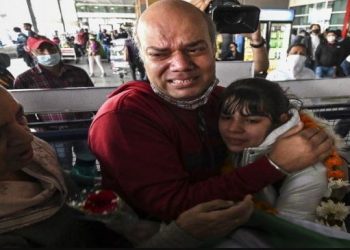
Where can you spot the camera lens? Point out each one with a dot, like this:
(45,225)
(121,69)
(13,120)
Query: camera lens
(235,19)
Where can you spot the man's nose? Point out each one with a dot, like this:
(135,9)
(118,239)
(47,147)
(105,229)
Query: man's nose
(181,62)
(18,134)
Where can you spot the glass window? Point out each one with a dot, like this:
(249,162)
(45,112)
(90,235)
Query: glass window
(300,20)
(301,9)
(105,9)
(320,6)
(339,5)
(81,9)
(112,9)
(337,18)
(330,4)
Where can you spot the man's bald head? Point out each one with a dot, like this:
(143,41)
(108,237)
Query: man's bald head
(170,9)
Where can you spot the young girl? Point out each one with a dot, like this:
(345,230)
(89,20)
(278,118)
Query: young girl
(254,112)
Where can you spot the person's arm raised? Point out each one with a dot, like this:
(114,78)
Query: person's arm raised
(260,57)
(200,4)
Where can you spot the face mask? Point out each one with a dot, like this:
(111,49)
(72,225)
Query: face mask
(49,60)
(331,39)
(316,31)
(295,63)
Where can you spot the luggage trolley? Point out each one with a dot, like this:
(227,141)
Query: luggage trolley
(119,65)
(69,54)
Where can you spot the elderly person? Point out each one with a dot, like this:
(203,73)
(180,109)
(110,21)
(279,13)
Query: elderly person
(158,141)
(33,191)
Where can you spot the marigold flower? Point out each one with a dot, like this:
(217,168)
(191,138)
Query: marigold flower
(308,122)
(334,160)
(336,174)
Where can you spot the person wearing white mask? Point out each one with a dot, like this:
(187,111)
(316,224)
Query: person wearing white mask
(293,68)
(51,72)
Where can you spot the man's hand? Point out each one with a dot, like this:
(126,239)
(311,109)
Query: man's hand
(298,149)
(255,37)
(200,4)
(215,218)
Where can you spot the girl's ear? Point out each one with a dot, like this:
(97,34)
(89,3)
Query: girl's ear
(284,118)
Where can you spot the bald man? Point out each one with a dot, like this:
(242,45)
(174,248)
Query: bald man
(158,141)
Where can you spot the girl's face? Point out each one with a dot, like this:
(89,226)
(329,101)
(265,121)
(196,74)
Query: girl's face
(241,131)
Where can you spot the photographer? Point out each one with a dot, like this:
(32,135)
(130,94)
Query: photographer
(257,42)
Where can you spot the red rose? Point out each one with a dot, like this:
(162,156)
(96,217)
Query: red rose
(101,202)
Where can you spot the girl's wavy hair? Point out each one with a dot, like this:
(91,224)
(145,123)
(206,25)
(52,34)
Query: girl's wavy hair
(257,96)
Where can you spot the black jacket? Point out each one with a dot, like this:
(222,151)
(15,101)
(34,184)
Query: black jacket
(328,55)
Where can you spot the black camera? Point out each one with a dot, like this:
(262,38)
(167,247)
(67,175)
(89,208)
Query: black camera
(231,17)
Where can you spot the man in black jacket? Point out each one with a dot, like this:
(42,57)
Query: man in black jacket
(328,56)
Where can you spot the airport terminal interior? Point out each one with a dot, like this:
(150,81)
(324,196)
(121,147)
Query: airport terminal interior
(70,25)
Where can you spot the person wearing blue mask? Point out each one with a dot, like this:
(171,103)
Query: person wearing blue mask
(51,72)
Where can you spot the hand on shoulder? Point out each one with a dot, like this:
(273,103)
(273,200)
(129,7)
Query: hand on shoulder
(301,147)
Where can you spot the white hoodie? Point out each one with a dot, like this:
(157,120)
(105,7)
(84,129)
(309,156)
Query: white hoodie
(291,69)
(302,191)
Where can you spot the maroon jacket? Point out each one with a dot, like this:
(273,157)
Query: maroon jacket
(154,156)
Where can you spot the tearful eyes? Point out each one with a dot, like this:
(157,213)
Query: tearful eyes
(192,51)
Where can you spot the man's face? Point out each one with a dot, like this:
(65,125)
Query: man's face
(233,48)
(297,50)
(15,138)
(45,49)
(178,55)
(26,27)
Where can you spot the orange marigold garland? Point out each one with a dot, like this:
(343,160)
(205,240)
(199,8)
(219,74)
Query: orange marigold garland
(331,211)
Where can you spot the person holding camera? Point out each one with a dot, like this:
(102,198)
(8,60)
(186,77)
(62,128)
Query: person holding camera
(257,42)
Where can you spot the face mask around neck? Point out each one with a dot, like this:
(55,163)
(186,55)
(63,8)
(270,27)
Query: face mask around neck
(295,63)
(49,60)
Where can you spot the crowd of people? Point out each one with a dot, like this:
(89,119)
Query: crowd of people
(192,158)
(326,53)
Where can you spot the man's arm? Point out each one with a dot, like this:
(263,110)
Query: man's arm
(260,57)
(202,223)
(141,161)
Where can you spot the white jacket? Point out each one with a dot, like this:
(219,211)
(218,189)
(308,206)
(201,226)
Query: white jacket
(301,192)
(282,73)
